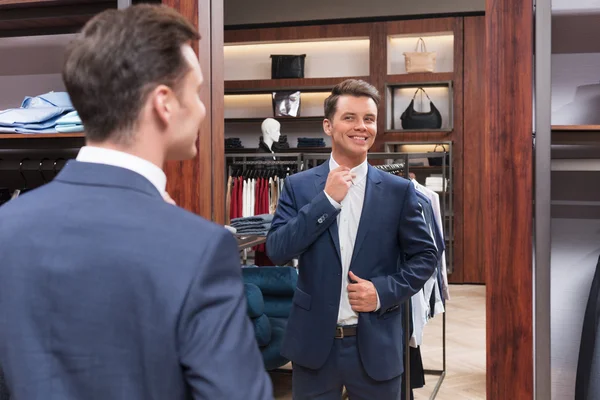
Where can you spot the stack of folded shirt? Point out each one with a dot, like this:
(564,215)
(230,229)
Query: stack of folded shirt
(41,114)
(436,183)
(311,142)
(69,123)
(233,143)
(283,143)
(258,225)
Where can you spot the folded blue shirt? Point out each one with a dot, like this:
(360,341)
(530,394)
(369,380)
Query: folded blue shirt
(31,118)
(51,99)
(8,129)
(69,128)
(71,118)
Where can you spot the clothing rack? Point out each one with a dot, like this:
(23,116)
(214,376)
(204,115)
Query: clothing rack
(407,334)
(22,169)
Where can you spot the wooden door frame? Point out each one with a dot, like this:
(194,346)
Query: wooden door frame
(198,185)
(507,199)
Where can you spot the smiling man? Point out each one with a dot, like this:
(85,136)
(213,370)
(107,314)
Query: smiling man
(364,249)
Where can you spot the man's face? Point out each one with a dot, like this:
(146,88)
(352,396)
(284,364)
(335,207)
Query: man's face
(354,126)
(189,112)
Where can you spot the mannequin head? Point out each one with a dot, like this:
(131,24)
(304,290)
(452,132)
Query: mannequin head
(271,130)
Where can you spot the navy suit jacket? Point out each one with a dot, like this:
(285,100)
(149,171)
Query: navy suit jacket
(108,292)
(393,249)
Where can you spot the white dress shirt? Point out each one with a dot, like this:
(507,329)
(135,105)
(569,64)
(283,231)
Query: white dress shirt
(348,220)
(116,158)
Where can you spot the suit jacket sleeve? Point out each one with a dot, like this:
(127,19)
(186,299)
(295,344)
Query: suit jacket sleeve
(217,345)
(421,256)
(292,230)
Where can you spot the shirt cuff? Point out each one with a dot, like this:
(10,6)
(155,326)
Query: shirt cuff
(332,201)
(378,302)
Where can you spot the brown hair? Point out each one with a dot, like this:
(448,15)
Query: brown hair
(349,87)
(118,59)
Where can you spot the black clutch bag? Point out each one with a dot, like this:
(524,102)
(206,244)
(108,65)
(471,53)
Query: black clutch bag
(287,66)
(412,119)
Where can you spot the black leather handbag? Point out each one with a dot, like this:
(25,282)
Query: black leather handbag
(438,161)
(412,119)
(287,66)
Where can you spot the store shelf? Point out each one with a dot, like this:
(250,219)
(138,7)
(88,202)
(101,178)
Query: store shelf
(576,128)
(420,78)
(280,119)
(245,242)
(43,17)
(270,85)
(432,131)
(281,151)
(40,135)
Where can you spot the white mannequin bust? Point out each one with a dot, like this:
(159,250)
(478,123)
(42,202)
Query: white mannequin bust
(271,130)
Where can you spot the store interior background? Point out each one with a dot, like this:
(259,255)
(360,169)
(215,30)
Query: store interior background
(575,193)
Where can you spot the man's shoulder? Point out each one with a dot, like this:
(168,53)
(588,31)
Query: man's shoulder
(303,177)
(391,180)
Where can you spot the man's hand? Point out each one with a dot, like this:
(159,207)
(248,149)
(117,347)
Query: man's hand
(338,182)
(168,199)
(362,294)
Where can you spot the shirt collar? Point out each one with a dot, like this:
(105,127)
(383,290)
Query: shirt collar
(360,170)
(116,158)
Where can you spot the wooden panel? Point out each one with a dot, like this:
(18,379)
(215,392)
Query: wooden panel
(297,33)
(417,26)
(40,135)
(378,70)
(473,159)
(269,85)
(390,136)
(47,17)
(457,138)
(576,128)
(420,77)
(218,112)
(507,198)
(188,180)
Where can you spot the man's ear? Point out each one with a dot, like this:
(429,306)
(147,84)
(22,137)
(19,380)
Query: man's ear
(327,127)
(163,100)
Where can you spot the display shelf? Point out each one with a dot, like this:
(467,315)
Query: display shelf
(325,57)
(40,135)
(420,78)
(442,43)
(280,119)
(281,151)
(576,128)
(245,242)
(42,17)
(399,96)
(271,85)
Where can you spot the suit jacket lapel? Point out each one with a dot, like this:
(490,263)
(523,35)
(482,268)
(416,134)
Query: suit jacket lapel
(371,205)
(322,172)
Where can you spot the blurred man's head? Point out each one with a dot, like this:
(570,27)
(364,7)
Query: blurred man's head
(135,80)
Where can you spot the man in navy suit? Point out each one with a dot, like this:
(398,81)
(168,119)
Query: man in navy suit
(107,291)
(363,249)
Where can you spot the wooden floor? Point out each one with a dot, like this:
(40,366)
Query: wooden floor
(465,349)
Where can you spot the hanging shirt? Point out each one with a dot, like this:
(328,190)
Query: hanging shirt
(348,220)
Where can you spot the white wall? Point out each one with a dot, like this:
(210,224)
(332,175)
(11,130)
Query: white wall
(30,66)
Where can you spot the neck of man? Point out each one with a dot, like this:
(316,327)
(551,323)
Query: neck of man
(139,148)
(349,161)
